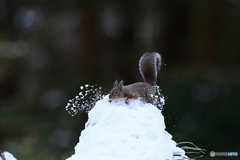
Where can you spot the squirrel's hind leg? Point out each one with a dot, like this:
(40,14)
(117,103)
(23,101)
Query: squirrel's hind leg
(150,98)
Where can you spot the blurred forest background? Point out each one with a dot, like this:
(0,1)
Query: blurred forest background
(48,48)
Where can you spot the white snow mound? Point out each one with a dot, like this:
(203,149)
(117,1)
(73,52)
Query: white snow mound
(117,131)
(8,156)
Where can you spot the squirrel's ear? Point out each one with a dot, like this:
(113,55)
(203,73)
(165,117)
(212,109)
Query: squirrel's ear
(120,86)
(116,83)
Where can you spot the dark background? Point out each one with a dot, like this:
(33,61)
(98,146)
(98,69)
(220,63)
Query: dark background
(48,48)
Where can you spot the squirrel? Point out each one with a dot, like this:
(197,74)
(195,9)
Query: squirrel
(149,66)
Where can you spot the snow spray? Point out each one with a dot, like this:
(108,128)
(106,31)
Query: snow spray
(90,94)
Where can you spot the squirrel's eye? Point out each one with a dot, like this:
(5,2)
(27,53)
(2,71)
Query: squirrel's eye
(116,92)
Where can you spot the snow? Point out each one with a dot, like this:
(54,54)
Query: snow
(86,99)
(117,131)
(8,156)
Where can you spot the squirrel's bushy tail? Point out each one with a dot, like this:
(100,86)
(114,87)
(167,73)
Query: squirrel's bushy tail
(149,65)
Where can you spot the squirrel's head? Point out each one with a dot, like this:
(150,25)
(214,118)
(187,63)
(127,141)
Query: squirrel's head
(116,93)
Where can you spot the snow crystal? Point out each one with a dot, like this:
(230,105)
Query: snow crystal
(8,156)
(159,98)
(85,100)
(117,131)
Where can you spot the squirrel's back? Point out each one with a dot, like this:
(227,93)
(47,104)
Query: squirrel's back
(149,65)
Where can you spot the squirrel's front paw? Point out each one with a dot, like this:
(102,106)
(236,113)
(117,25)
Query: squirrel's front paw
(109,100)
(127,101)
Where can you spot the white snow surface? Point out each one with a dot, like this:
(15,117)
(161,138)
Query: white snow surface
(117,131)
(8,156)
